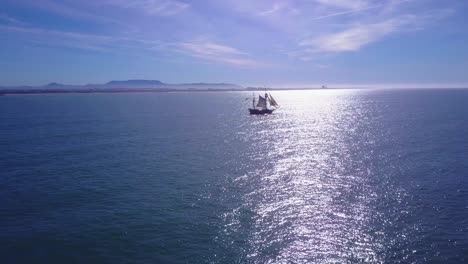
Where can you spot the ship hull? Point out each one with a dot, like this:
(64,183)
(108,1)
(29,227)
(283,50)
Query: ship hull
(260,111)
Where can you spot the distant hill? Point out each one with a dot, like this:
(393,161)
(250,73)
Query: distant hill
(135,83)
(54,85)
(128,84)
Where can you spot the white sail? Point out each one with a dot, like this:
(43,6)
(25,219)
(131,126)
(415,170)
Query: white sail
(262,103)
(272,101)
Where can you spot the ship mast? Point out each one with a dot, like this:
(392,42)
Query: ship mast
(253,101)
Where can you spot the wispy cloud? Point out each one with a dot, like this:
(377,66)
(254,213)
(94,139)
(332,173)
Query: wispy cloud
(354,38)
(345,4)
(78,40)
(360,35)
(268,30)
(10,20)
(282,7)
(346,12)
(216,53)
(276,7)
(152,7)
(358,7)
(200,48)
(69,10)
(59,38)
(210,49)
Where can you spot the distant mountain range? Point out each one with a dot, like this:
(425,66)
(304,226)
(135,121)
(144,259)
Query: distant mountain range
(129,84)
(132,86)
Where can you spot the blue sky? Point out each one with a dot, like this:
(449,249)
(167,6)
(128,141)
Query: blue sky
(249,42)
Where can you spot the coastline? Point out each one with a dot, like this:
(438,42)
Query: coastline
(145,90)
(188,90)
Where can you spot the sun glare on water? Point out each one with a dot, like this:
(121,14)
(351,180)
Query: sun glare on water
(310,197)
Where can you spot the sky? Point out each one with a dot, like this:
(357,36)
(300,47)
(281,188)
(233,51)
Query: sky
(277,43)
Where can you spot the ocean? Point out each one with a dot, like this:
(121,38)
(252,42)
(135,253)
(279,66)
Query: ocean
(333,176)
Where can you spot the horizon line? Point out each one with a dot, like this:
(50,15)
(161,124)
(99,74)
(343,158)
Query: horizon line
(267,85)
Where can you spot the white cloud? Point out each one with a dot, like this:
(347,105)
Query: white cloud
(354,38)
(210,49)
(297,28)
(200,48)
(216,53)
(360,35)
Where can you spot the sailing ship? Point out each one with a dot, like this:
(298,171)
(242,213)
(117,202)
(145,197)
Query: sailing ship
(261,108)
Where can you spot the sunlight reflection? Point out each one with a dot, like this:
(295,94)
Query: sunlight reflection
(311,200)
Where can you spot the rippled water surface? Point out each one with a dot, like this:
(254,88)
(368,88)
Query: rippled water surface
(333,176)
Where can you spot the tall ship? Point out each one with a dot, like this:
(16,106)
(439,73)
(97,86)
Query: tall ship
(261,107)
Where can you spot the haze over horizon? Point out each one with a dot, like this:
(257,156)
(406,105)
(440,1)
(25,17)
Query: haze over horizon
(288,43)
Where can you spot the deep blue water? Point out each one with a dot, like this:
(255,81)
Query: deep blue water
(333,176)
